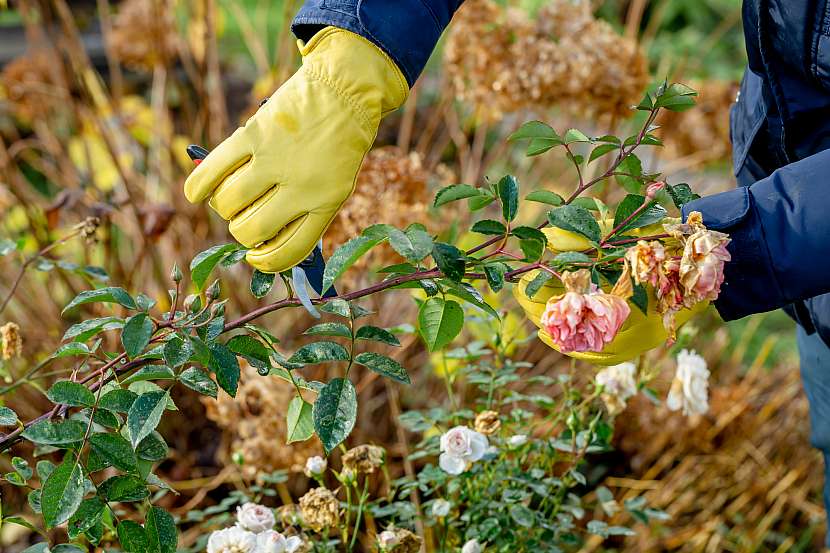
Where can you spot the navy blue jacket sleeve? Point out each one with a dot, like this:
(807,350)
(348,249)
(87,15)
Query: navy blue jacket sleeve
(780,229)
(407,30)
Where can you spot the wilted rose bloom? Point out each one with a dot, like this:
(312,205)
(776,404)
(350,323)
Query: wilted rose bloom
(387,539)
(487,422)
(315,466)
(517,440)
(472,546)
(364,458)
(646,262)
(232,540)
(461,446)
(271,541)
(619,384)
(690,388)
(701,267)
(670,295)
(441,508)
(255,518)
(320,509)
(584,318)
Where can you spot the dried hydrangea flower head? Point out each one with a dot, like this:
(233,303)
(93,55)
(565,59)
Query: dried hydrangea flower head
(584,318)
(501,60)
(364,459)
(144,34)
(487,423)
(11,342)
(320,509)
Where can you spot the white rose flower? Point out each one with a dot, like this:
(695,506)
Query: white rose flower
(690,388)
(255,518)
(387,539)
(472,546)
(619,383)
(461,446)
(315,466)
(441,508)
(232,540)
(292,544)
(270,541)
(517,440)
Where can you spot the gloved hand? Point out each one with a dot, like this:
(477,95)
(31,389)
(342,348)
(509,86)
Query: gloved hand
(282,178)
(638,334)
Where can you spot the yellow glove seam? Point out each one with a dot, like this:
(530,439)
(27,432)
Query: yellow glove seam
(356,107)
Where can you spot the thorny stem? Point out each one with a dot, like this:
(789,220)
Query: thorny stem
(625,221)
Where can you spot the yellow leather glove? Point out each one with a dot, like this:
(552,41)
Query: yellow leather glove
(282,178)
(638,334)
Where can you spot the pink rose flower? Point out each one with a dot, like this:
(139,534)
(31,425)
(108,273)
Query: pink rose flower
(701,267)
(646,262)
(584,318)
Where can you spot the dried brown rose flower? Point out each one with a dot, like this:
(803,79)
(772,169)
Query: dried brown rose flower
(364,458)
(407,542)
(487,422)
(320,509)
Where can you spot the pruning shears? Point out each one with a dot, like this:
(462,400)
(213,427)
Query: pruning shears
(308,272)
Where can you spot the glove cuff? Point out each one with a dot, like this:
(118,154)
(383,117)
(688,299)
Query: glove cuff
(359,71)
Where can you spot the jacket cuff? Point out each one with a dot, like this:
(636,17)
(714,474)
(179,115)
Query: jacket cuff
(750,285)
(407,30)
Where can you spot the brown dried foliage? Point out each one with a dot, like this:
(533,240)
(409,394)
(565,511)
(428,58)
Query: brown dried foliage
(144,34)
(502,61)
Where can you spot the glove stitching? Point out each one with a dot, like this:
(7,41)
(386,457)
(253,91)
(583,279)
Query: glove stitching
(356,107)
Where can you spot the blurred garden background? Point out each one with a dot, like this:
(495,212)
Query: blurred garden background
(99,98)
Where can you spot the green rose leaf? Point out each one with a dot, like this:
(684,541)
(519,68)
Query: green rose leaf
(489,226)
(70,393)
(632,171)
(88,515)
(319,352)
(151,372)
(450,260)
(383,365)
(335,412)
(681,194)
(118,401)
(414,243)
(494,272)
(261,283)
(676,97)
(85,330)
(102,295)
(537,283)
(508,189)
(152,448)
(145,414)
(177,351)
(203,264)
(653,213)
(114,449)
(225,366)
(62,492)
(542,137)
(440,322)
(454,193)
(254,351)
(576,219)
(377,334)
(7,417)
(545,197)
(160,530)
(345,256)
(126,488)
(132,537)
(136,334)
(199,381)
(55,433)
(602,150)
(299,420)
(330,329)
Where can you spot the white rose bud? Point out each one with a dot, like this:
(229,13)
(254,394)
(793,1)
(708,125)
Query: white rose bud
(315,466)
(255,518)
(517,440)
(441,508)
(472,546)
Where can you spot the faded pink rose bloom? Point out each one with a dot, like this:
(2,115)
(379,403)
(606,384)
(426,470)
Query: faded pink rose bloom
(584,318)
(670,295)
(646,262)
(701,267)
